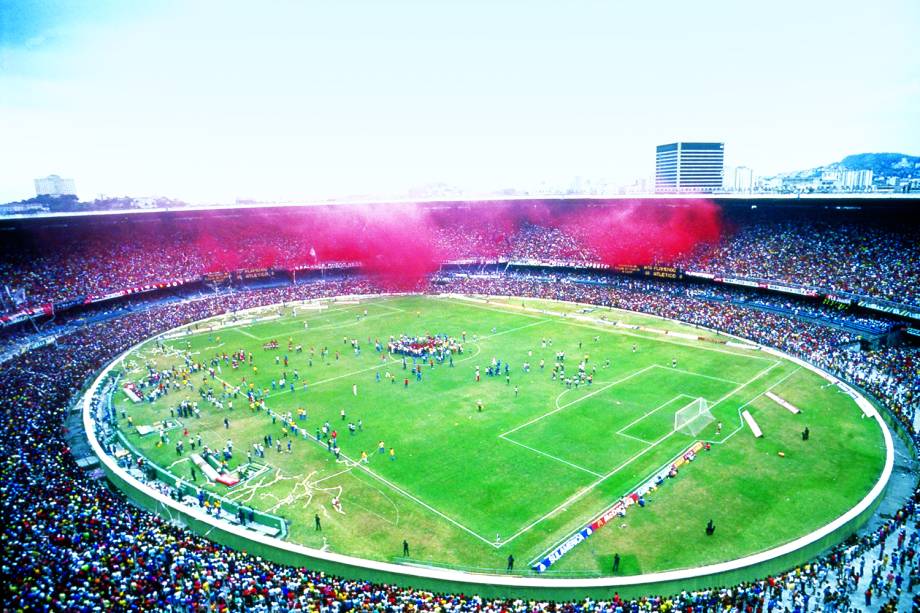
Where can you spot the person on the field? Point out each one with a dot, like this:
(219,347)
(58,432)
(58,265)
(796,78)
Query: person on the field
(510,563)
(317,524)
(405,549)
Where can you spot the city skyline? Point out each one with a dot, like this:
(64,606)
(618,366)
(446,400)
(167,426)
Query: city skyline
(299,101)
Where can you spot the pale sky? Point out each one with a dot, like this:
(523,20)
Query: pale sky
(210,101)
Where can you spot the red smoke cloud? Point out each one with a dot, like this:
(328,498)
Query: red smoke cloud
(400,244)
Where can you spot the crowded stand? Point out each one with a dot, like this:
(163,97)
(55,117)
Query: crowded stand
(72,543)
(826,314)
(534,242)
(881,262)
(53,269)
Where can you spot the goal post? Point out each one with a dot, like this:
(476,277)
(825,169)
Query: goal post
(693,418)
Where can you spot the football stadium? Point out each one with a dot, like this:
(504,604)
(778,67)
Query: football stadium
(495,409)
(459,307)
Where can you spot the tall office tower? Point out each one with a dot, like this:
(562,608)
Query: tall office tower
(689,167)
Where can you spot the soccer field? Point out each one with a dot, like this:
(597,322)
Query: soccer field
(467,488)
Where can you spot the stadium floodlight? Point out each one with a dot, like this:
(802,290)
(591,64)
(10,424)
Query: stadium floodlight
(693,418)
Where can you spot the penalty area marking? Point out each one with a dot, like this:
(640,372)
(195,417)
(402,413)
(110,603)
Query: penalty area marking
(655,410)
(568,404)
(552,457)
(586,490)
(696,374)
(742,407)
(413,498)
(244,333)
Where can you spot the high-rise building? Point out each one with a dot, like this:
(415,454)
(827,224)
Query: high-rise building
(689,167)
(857,180)
(744,179)
(53,185)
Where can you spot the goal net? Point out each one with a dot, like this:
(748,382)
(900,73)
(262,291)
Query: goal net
(691,419)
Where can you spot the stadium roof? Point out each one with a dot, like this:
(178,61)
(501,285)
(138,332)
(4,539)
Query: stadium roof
(858,199)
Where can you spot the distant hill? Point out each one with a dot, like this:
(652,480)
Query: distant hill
(881,164)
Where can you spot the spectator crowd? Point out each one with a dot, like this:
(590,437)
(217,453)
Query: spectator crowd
(860,259)
(875,261)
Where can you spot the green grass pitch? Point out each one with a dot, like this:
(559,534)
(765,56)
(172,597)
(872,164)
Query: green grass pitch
(468,488)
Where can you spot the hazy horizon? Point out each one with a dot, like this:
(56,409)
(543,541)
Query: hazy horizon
(213,101)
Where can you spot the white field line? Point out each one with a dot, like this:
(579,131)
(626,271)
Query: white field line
(608,327)
(299,320)
(576,496)
(697,374)
(242,331)
(635,438)
(413,498)
(393,486)
(633,487)
(383,304)
(478,305)
(376,366)
(568,404)
(387,363)
(552,457)
(536,323)
(341,472)
(329,326)
(581,493)
(401,491)
(745,384)
(743,406)
(660,406)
